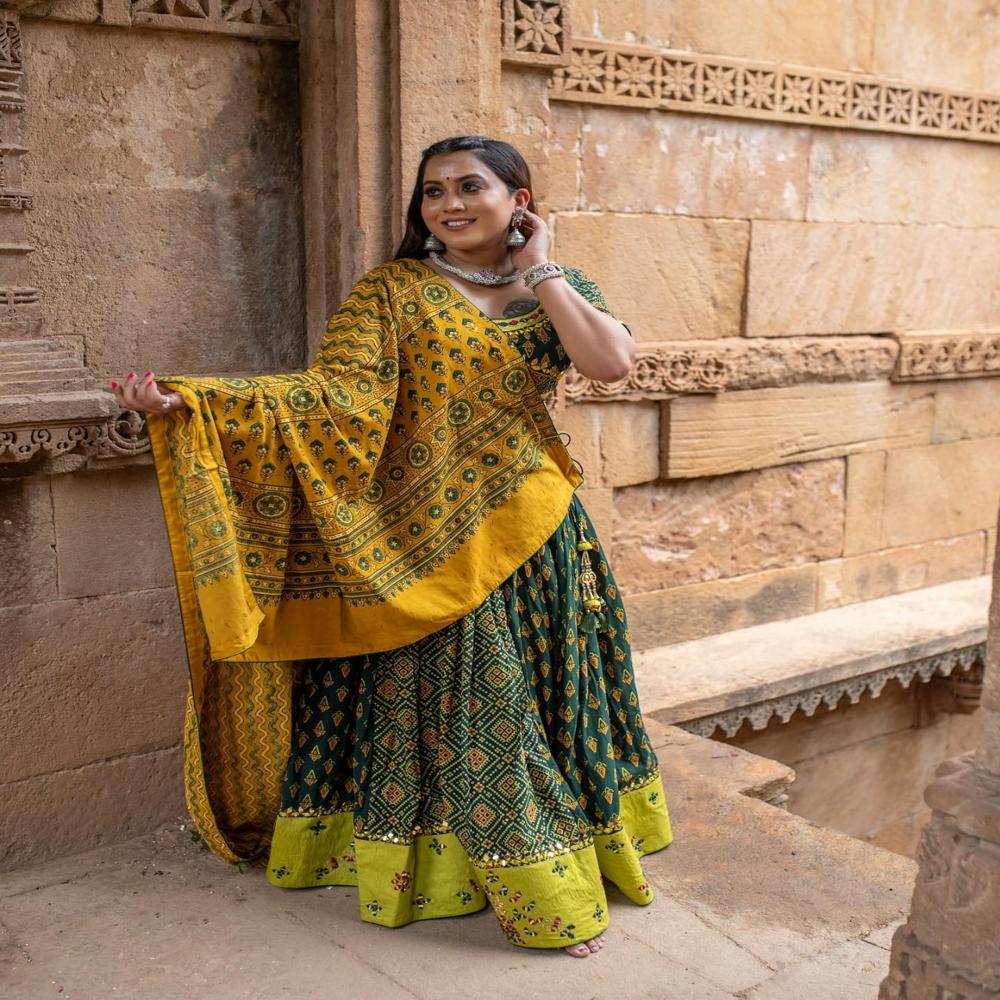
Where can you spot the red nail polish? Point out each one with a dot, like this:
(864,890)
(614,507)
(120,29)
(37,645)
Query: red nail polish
(131,374)
(114,385)
(147,374)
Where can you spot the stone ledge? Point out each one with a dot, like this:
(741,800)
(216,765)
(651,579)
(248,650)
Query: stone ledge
(779,667)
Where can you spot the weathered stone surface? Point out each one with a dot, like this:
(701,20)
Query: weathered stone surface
(104,802)
(894,571)
(941,490)
(110,533)
(863,503)
(167,198)
(668,278)
(878,177)
(810,32)
(991,549)
(598,501)
(679,614)
(128,255)
(616,443)
(105,118)
(857,788)
(902,836)
(673,532)
(755,428)
(88,680)
(851,969)
(27,542)
(969,408)
(953,45)
(548,137)
(645,161)
(630,443)
(811,277)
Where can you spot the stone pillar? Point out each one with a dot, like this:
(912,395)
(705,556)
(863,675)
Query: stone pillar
(49,404)
(381,79)
(949,949)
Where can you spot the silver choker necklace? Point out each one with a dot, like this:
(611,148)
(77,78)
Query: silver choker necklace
(479,277)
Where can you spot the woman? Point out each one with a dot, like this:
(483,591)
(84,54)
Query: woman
(382,563)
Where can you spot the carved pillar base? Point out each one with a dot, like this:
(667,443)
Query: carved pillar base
(950,947)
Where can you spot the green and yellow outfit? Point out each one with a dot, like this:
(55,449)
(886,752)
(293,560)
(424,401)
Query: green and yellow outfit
(395,681)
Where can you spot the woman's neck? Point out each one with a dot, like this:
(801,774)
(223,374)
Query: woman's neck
(493,258)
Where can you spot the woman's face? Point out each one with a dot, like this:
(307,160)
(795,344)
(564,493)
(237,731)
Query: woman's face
(465,204)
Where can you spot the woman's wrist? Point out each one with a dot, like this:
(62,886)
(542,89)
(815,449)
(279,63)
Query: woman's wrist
(536,273)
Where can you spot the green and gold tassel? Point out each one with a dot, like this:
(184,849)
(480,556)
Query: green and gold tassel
(594,618)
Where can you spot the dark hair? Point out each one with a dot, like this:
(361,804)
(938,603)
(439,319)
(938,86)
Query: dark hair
(501,157)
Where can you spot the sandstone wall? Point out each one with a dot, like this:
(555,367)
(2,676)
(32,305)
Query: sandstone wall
(167,223)
(785,494)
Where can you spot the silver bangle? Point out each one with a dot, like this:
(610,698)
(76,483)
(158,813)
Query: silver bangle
(539,272)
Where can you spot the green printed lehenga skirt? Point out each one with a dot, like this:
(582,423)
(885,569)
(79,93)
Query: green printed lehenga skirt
(500,760)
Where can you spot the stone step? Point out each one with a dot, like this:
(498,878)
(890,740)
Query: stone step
(11,348)
(766,670)
(53,382)
(40,362)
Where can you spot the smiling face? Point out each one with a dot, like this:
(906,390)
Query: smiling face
(465,204)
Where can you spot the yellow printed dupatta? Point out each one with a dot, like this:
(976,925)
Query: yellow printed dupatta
(354,507)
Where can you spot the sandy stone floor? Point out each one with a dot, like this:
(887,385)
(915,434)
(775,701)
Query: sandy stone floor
(752,903)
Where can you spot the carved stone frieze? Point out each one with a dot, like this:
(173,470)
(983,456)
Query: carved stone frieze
(938,354)
(275,20)
(121,436)
(536,32)
(829,694)
(669,369)
(601,72)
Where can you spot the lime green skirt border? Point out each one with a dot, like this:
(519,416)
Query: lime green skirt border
(551,903)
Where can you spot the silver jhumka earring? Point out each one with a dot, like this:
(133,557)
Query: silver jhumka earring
(515,238)
(433,243)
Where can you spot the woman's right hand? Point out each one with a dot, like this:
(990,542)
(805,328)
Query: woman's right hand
(141,393)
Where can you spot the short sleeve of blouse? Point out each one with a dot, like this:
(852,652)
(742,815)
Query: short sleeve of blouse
(589,289)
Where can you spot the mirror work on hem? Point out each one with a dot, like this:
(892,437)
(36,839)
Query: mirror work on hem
(499,758)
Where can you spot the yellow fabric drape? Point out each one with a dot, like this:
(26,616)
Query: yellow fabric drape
(354,507)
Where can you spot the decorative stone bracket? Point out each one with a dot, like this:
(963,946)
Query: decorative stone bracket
(963,667)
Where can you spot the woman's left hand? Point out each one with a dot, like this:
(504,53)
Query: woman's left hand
(539,244)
